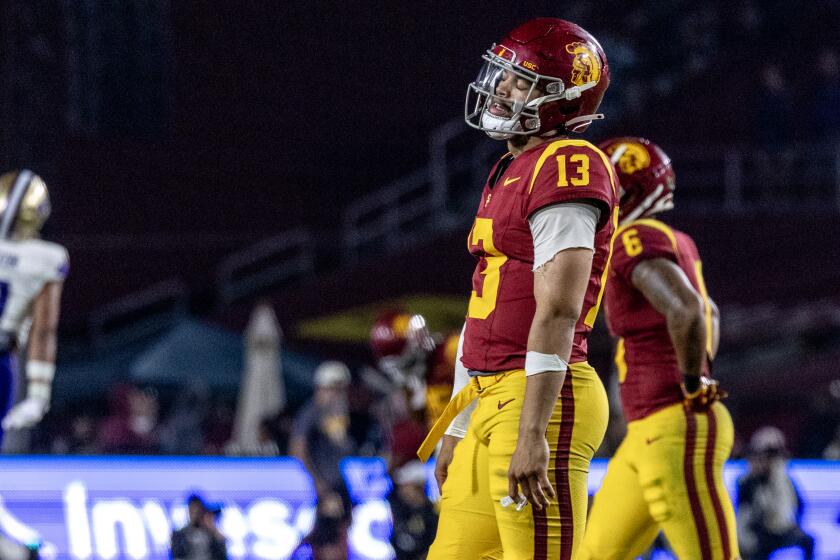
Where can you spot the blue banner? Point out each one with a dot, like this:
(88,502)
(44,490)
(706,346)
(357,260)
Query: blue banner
(127,507)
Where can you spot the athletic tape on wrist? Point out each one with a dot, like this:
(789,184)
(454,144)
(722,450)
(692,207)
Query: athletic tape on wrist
(37,370)
(38,390)
(457,432)
(537,362)
(40,375)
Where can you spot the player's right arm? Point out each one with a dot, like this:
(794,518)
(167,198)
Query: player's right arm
(670,292)
(40,363)
(645,255)
(43,338)
(573,181)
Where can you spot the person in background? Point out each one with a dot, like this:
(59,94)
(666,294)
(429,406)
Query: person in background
(180,432)
(320,439)
(320,436)
(328,539)
(769,506)
(200,539)
(32,273)
(667,326)
(81,439)
(419,366)
(131,426)
(218,426)
(415,518)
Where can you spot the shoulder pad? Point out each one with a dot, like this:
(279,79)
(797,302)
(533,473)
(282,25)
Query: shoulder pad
(568,170)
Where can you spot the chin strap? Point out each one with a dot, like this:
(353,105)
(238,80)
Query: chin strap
(650,206)
(574,123)
(644,206)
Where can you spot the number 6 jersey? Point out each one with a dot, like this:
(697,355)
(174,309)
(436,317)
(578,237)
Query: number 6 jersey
(645,357)
(502,303)
(25,267)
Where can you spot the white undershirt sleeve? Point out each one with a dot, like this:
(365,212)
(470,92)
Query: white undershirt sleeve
(458,426)
(563,226)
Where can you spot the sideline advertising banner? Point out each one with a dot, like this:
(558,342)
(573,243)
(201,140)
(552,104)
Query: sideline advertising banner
(126,507)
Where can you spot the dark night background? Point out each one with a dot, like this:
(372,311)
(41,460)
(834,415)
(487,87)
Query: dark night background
(172,131)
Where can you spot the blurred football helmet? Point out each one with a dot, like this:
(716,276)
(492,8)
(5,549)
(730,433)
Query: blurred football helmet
(562,62)
(646,176)
(401,342)
(24,204)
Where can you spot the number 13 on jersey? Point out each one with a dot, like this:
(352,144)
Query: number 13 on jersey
(481,306)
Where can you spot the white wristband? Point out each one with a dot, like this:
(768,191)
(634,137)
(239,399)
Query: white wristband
(537,362)
(40,376)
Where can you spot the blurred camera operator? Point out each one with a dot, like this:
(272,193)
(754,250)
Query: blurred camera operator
(320,439)
(415,518)
(200,539)
(769,505)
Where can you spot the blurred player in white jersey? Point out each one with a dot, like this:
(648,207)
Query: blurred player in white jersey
(32,274)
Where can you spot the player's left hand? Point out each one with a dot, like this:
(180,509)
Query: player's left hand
(701,392)
(528,472)
(26,413)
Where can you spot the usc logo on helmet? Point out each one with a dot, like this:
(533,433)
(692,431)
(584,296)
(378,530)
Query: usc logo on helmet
(585,67)
(634,158)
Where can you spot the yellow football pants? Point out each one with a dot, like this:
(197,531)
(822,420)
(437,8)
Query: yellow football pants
(667,475)
(473,525)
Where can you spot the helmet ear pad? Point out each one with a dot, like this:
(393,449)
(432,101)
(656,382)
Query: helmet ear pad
(554,114)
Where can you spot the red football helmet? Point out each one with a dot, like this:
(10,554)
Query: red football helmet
(560,60)
(646,175)
(400,339)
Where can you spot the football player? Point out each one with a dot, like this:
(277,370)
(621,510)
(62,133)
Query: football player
(514,463)
(416,359)
(421,364)
(668,472)
(32,273)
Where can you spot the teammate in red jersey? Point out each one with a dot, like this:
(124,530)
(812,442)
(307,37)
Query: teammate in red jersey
(515,485)
(421,365)
(668,472)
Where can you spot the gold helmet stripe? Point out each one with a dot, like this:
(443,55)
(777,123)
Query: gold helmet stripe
(15,197)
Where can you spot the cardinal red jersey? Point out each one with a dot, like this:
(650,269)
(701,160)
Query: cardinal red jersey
(502,303)
(647,363)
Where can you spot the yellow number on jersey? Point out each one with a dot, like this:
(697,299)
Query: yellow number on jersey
(620,362)
(481,306)
(632,243)
(581,171)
